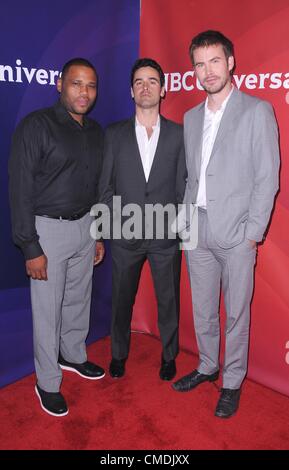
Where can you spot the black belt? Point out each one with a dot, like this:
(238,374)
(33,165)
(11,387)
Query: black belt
(67,217)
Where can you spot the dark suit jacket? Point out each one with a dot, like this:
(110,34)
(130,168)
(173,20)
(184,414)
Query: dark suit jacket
(123,175)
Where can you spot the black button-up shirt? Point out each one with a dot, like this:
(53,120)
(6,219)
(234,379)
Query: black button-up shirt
(54,169)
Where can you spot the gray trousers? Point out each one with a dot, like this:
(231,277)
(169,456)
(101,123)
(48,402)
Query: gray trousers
(61,305)
(209,266)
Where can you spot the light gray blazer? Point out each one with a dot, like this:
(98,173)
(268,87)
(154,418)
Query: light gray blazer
(243,172)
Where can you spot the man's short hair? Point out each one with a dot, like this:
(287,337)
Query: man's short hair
(212,38)
(76,61)
(147,62)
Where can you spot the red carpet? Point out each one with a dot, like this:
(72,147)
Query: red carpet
(140,411)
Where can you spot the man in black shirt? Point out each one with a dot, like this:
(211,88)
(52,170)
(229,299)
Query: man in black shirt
(54,169)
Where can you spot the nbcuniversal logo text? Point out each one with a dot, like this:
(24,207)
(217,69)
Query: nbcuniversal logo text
(187,81)
(174,81)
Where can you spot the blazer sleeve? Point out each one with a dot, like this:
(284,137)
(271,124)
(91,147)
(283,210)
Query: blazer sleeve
(103,210)
(106,190)
(181,174)
(266,160)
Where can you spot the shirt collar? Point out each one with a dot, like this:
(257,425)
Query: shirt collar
(64,116)
(157,125)
(223,105)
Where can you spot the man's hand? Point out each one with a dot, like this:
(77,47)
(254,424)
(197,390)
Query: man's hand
(99,253)
(253,243)
(37,268)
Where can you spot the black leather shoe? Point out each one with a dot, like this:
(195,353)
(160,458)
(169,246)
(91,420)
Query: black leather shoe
(228,403)
(192,380)
(52,402)
(87,369)
(117,368)
(168,370)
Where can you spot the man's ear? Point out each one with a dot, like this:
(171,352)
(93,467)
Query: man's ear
(59,85)
(231,62)
(163,92)
(132,93)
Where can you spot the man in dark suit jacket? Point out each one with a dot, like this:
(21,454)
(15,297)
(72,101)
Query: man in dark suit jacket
(144,164)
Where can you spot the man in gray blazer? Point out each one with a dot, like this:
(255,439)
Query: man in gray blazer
(144,165)
(232,153)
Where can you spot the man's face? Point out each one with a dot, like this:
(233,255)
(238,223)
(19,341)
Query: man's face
(78,90)
(212,68)
(146,89)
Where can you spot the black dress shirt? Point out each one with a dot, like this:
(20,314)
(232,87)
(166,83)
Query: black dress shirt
(54,169)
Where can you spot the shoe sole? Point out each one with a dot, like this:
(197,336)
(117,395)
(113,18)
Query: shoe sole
(167,379)
(46,410)
(70,369)
(226,416)
(116,376)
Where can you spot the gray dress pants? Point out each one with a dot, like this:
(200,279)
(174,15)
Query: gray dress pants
(61,305)
(209,266)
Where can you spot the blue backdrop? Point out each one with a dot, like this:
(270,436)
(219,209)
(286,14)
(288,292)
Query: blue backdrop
(36,39)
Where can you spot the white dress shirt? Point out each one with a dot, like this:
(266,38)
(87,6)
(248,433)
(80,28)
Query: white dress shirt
(211,126)
(147,146)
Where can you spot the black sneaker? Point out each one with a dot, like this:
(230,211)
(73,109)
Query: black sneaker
(87,369)
(52,403)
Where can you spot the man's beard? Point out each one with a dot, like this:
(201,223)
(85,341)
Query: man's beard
(218,89)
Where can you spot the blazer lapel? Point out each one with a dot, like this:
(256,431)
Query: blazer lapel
(228,120)
(195,138)
(198,137)
(135,153)
(160,153)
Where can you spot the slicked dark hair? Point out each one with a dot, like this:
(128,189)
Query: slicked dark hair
(212,38)
(147,62)
(76,61)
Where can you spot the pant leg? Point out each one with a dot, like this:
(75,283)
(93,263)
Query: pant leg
(165,264)
(57,241)
(126,270)
(237,285)
(77,296)
(205,276)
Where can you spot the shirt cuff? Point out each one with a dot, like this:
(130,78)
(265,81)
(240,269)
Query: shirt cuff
(31,250)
